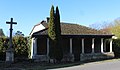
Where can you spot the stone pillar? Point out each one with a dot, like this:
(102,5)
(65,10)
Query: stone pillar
(34,47)
(101,45)
(110,45)
(83,45)
(93,45)
(71,54)
(47,46)
(70,45)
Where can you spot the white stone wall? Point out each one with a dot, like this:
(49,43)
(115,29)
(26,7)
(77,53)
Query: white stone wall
(37,28)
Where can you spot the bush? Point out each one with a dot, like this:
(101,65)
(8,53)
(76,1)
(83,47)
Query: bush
(21,47)
(3,47)
(116,47)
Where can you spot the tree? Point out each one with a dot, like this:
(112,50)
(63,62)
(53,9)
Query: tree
(57,23)
(115,29)
(109,27)
(51,25)
(19,33)
(100,25)
(54,33)
(59,54)
(51,32)
(1,33)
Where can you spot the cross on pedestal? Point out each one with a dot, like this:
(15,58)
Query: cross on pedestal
(10,51)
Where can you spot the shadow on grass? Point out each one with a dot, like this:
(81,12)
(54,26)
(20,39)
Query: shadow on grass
(40,66)
(70,64)
(62,65)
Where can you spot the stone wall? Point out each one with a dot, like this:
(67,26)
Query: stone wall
(83,57)
(96,56)
(43,58)
(68,58)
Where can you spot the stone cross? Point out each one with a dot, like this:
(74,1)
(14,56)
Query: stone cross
(10,51)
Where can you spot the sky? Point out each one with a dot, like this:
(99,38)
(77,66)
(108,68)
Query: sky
(28,13)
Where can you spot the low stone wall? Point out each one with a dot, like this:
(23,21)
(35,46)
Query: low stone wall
(95,56)
(68,58)
(83,57)
(43,58)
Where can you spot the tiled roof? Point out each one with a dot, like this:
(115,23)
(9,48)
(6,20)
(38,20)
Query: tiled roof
(74,29)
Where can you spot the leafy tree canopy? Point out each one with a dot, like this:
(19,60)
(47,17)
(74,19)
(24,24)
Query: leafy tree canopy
(19,33)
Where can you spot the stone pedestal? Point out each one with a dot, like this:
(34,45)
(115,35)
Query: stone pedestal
(9,55)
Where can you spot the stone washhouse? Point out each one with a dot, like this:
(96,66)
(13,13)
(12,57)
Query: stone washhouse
(79,42)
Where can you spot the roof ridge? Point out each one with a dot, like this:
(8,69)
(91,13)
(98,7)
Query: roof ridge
(75,29)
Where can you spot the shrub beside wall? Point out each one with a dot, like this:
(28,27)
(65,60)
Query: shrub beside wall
(116,47)
(3,47)
(21,46)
